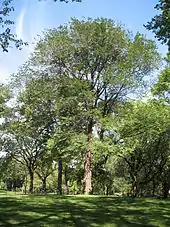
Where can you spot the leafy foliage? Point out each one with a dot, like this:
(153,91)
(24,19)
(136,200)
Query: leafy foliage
(160,24)
(4,98)
(73,109)
(7,37)
(162,87)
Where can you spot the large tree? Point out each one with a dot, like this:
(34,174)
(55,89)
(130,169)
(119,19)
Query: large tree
(98,63)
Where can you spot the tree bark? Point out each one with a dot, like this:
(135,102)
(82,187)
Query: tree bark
(134,187)
(153,187)
(31,175)
(44,184)
(88,163)
(106,190)
(60,167)
(25,184)
(166,184)
(165,189)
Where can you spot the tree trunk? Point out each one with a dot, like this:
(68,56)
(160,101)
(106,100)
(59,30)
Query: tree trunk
(165,189)
(106,190)
(153,187)
(88,163)
(66,189)
(31,175)
(25,184)
(134,187)
(60,167)
(166,184)
(44,184)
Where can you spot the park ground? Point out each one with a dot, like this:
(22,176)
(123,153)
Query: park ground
(82,211)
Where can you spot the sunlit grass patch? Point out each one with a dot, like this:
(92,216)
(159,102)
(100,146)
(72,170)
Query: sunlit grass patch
(83,211)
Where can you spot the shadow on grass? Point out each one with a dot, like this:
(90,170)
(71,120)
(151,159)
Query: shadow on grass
(79,211)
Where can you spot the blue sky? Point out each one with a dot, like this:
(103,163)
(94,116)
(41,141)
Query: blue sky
(32,17)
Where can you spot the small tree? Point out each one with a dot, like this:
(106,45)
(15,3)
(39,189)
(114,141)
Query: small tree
(31,125)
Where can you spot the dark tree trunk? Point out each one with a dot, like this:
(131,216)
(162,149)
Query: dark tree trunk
(88,164)
(66,189)
(165,189)
(153,187)
(44,184)
(60,168)
(166,184)
(31,175)
(134,187)
(25,184)
(106,190)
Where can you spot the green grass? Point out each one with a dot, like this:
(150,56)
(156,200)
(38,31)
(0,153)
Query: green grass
(82,211)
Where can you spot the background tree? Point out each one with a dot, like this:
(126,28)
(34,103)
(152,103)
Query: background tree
(160,24)
(12,174)
(145,147)
(161,89)
(46,165)
(31,125)
(5,96)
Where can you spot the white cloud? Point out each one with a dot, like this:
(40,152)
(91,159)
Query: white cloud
(30,21)
(19,24)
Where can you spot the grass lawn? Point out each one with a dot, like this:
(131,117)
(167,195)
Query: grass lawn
(82,211)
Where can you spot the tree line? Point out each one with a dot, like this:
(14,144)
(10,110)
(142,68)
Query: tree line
(74,114)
